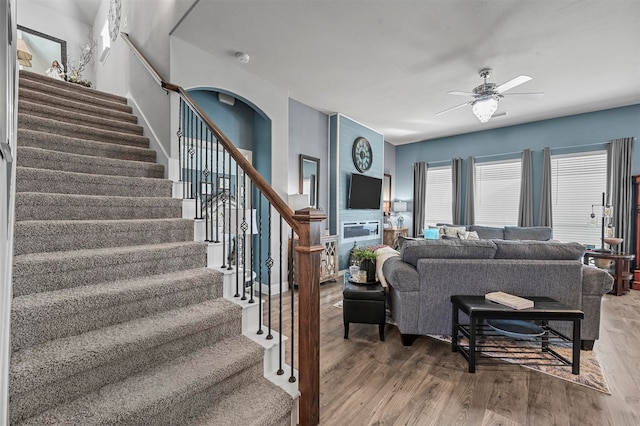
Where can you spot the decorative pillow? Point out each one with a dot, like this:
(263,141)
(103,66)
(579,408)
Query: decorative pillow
(538,250)
(538,233)
(454,231)
(432,233)
(468,235)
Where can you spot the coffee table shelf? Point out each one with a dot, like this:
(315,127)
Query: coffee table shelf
(539,350)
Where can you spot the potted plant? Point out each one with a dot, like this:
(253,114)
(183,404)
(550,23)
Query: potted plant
(366,257)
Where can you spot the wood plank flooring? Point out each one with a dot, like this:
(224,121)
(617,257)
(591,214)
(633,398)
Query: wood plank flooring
(368,382)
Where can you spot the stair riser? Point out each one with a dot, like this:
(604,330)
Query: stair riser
(52,84)
(52,236)
(48,181)
(34,139)
(53,160)
(60,96)
(79,107)
(50,327)
(34,207)
(80,132)
(189,406)
(55,274)
(74,117)
(45,396)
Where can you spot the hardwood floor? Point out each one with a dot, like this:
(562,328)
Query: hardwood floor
(368,382)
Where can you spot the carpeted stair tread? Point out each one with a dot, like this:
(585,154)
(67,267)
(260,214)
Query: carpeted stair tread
(75,117)
(151,397)
(60,358)
(32,122)
(38,272)
(37,139)
(39,236)
(45,206)
(58,182)
(36,318)
(52,83)
(35,96)
(241,407)
(61,95)
(63,161)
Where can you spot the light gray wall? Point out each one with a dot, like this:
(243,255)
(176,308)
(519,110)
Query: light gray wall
(55,21)
(309,135)
(8,91)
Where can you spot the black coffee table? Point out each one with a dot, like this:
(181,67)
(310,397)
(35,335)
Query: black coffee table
(545,309)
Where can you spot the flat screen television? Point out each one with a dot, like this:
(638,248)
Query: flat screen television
(364,192)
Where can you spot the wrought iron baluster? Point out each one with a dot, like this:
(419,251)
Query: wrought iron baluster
(244,227)
(260,331)
(235,231)
(292,377)
(181,150)
(229,260)
(224,212)
(269,263)
(217,239)
(252,260)
(280,371)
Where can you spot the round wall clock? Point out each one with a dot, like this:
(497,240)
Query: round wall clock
(114,19)
(362,154)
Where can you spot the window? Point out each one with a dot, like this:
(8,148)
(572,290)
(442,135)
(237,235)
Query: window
(439,195)
(106,42)
(578,181)
(497,193)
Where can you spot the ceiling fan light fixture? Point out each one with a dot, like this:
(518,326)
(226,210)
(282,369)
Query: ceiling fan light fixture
(484,108)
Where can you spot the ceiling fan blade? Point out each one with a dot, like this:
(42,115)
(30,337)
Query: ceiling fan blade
(500,114)
(513,83)
(532,94)
(459,93)
(452,108)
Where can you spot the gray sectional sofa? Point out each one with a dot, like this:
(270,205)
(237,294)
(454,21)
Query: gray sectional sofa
(428,272)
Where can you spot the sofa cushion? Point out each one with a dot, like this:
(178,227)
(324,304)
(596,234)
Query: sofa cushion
(488,232)
(538,250)
(447,249)
(538,233)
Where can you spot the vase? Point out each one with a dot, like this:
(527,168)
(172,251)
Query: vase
(370,267)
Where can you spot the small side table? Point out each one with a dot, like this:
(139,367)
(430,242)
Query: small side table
(363,303)
(621,274)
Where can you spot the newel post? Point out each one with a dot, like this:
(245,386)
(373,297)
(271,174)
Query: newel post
(308,278)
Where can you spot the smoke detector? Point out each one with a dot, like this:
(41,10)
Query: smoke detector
(242,57)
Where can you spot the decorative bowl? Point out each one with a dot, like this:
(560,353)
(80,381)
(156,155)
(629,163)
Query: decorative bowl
(603,263)
(613,241)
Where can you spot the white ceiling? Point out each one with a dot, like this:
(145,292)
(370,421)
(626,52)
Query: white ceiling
(389,64)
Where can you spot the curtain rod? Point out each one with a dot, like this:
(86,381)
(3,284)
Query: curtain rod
(586,145)
(481,156)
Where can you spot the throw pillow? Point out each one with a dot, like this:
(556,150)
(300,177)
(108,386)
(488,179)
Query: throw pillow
(454,231)
(468,235)
(432,233)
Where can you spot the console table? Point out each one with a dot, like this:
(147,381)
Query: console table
(621,274)
(390,236)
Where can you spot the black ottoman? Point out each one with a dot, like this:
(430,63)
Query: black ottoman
(363,303)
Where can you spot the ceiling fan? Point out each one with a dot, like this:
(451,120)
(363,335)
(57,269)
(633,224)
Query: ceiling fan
(486,96)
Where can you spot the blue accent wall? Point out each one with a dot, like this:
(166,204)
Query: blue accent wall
(343,132)
(576,133)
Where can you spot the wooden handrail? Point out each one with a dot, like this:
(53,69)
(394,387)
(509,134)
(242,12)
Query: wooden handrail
(263,186)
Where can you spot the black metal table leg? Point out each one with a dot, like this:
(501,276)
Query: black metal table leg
(454,328)
(575,363)
(473,322)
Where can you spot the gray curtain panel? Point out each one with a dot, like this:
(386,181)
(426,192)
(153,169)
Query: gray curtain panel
(469,200)
(525,208)
(419,197)
(545,212)
(456,185)
(619,152)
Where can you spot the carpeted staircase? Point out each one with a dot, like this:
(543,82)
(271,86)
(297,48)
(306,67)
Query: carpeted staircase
(115,317)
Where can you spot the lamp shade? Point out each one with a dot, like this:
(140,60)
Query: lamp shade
(399,206)
(484,108)
(298,201)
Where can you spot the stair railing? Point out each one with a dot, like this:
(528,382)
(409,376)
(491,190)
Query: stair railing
(241,210)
